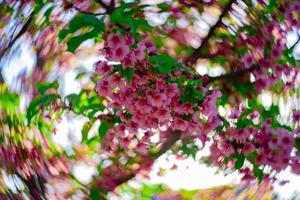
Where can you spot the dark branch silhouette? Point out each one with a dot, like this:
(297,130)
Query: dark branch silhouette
(20,33)
(197,53)
(231,75)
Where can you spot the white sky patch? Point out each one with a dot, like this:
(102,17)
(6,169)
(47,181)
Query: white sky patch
(84,173)
(190,175)
(266,99)
(69,130)
(22,62)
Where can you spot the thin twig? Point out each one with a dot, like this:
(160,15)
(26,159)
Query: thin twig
(21,32)
(296,43)
(231,75)
(87,12)
(109,8)
(197,53)
(175,136)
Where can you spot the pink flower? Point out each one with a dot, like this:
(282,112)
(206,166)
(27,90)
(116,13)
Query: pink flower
(129,40)
(103,68)
(276,51)
(295,165)
(260,158)
(124,142)
(133,127)
(114,40)
(150,46)
(156,99)
(292,14)
(115,81)
(226,148)
(187,108)
(235,114)
(121,128)
(286,142)
(212,123)
(296,116)
(141,148)
(162,114)
(248,148)
(139,52)
(247,60)
(171,90)
(103,89)
(142,106)
(209,106)
(120,52)
(193,128)
(129,61)
(179,124)
(160,84)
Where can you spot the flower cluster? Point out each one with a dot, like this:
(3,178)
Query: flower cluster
(292,15)
(150,103)
(27,161)
(271,147)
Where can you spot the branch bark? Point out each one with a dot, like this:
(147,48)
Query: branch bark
(109,8)
(89,13)
(296,43)
(197,53)
(175,136)
(21,32)
(231,75)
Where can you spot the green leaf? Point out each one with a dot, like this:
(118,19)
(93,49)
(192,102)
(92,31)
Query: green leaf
(142,24)
(80,75)
(43,87)
(164,63)
(297,143)
(9,101)
(276,124)
(219,59)
(84,20)
(47,14)
(127,73)
(240,159)
(95,194)
(86,103)
(103,129)
(62,35)
(271,6)
(35,105)
(242,123)
(244,88)
(258,173)
(163,6)
(119,17)
(85,130)
(74,42)
(33,108)
(78,22)
(190,150)
(251,157)
(191,94)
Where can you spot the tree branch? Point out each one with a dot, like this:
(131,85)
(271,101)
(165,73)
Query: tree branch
(231,75)
(21,32)
(296,43)
(109,8)
(89,13)
(175,136)
(197,53)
